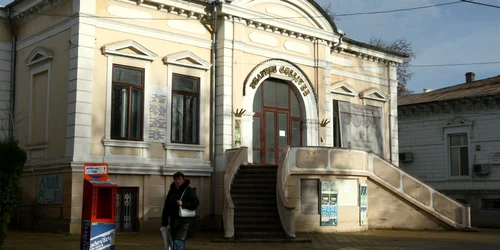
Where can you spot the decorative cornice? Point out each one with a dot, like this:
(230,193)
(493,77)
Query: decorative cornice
(274,25)
(186,9)
(458,121)
(456,106)
(24,13)
(367,56)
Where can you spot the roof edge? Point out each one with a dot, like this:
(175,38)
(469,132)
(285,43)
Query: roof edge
(369,46)
(323,12)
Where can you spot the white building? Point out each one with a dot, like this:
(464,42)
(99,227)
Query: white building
(450,139)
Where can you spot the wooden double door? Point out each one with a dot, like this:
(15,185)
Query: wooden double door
(277,121)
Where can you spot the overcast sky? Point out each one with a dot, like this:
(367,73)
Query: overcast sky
(450,34)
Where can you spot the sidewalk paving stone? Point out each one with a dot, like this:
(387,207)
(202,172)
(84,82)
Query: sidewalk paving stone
(373,239)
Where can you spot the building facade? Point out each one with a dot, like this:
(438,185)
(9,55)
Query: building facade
(158,86)
(449,139)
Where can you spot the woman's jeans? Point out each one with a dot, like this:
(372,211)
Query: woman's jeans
(179,245)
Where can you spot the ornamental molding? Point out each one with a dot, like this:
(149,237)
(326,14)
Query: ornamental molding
(457,106)
(344,88)
(129,48)
(374,94)
(187,59)
(38,55)
(27,10)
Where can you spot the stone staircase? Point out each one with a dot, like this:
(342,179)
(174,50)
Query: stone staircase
(254,195)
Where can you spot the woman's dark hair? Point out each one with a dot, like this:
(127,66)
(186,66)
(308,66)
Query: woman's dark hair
(179,174)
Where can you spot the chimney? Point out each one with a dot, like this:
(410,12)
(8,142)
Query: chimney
(470,77)
(427,90)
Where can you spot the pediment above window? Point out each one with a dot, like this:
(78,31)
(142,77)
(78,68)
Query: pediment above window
(458,121)
(344,88)
(187,59)
(129,48)
(39,54)
(375,94)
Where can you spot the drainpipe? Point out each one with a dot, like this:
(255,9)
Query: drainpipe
(12,73)
(212,108)
(342,34)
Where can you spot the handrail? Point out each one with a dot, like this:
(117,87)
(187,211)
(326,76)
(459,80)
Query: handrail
(235,159)
(466,223)
(286,211)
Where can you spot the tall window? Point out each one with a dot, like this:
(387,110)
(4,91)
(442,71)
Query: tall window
(127,103)
(459,154)
(185,109)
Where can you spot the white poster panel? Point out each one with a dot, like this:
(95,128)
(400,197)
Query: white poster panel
(348,192)
(361,127)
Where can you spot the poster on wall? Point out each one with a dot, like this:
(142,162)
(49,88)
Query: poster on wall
(329,203)
(158,118)
(361,127)
(363,205)
(50,189)
(237,133)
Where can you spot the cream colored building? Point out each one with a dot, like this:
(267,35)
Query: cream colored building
(151,88)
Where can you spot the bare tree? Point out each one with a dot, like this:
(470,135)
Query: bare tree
(404,73)
(401,45)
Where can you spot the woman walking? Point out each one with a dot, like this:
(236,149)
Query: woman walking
(179,196)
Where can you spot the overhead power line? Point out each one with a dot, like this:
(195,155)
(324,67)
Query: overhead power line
(483,4)
(452,64)
(397,10)
(270,18)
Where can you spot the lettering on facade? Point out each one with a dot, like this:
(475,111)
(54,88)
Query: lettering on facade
(284,70)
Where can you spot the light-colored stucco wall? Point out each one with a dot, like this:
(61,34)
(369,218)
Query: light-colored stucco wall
(158,79)
(58,99)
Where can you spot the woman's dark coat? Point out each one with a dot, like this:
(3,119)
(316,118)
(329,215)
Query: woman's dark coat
(180,228)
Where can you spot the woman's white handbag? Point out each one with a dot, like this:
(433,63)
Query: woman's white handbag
(186,212)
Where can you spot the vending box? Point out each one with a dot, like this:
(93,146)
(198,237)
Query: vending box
(98,208)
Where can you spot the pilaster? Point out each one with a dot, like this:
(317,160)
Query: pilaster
(81,80)
(224,92)
(393,114)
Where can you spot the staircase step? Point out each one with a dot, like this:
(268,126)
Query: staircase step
(257,227)
(272,213)
(252,208)
(259,235)
(256,175)
(253,185)
(254,202)
(252,195)
(257,219)
(258,170)
(254,180)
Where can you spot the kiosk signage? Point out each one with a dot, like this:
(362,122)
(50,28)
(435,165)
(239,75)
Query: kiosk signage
(98,208)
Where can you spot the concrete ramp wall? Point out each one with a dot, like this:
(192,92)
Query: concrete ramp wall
(395,198)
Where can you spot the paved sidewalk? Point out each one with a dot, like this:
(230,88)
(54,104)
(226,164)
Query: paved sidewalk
(373,239)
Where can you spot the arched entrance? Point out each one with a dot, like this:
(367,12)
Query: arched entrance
(277,120)
(300,129)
